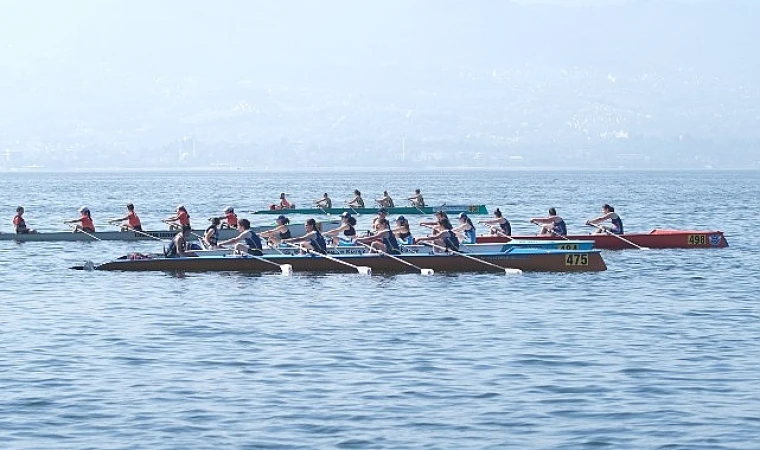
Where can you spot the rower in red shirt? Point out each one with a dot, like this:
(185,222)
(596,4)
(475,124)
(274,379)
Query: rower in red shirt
(19,224)
(85,221)
(230,219)
(133,222)
(180,221)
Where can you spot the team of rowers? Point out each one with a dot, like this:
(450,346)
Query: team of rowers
(383,237)
(355,202)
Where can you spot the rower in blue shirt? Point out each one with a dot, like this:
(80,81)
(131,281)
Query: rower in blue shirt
(312,240)
(608,213)
(466,229)
(553,224)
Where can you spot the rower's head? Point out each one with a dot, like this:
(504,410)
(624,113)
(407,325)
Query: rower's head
(311,225)
(215,221)
(445,223)
(382,212)
(325,195)
(497,213)
(20,210)
(244,224)
(345,216)
(401,220)
(385,193)
(383,224)
(85,211)
(552,212)
(229,210)
(607,208)
(181,208)
(282,195)
(357,193)
(417,191)
(440,214)
(463,217)
(282,220)
(130,207)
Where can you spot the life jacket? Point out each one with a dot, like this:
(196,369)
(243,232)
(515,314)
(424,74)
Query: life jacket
(18,222)
(184,219)
(133,221)
(232,219)
(87,224)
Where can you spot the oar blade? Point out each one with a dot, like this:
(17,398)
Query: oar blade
(286,269)
(513,272)
(427,272)
(364,270)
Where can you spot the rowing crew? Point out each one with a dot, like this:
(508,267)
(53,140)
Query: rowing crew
(356,201)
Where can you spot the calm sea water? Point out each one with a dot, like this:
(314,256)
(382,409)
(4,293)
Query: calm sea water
(660,351)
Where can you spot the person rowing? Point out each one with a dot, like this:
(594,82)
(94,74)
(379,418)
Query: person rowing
(348,222)
(247,241)
(211,235)
(230,219)
(278,233)
(434,224)
(85,221)
(383,239)
(133,222)
(324,202)
(357,201)
(178,247)
(179,221)
(553,224)
(284,203)
(417,200)
(402,231)
(608,213)
(466,229)
(382,214)
(443,237)
(504,227)
(312,240)
(19,224)
(385,201)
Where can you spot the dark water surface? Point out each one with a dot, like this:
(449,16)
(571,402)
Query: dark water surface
(660,351)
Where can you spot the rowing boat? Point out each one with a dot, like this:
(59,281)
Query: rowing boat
(660,239)
(295,229)
(403,210)
(525,259)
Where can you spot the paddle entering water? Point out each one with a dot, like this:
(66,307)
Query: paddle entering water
(364,270)
(507,271)
(617,236)
(422,271)
(285,269)
(552,231)
(79,230)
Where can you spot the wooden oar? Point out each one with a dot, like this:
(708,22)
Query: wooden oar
(286,269)
(617,236)
(552,231)
(422,271)
(364,270)
(83,232)
(506,270)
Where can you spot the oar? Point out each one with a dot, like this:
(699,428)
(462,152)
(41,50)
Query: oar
(552,231)
(286,269)
(617,236)
(352,209)
(506,270)
(143,233)
(498,231)
(323,210)
(83,232)
(364,270)
(418,208)
(422,271)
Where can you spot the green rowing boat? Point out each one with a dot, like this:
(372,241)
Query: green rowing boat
(404,210)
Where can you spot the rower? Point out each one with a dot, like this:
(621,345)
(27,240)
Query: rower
(385,201)
(382,214)
(608,213)
(230,219)
(402,231)
(133,222)
(324,202)
(178,246)
(179,221)
(357,201)
(445,238)
(247,241)
(278,233)
(504,227)
(553,224)
(312,240)
(346,227)
(383,239)
(85,221)
(284,203)
(417,199)
(434,224)
(19,224)
(466,229)
(211,236)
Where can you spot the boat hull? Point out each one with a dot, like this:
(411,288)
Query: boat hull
(659,239)
(523,259)
(403,210)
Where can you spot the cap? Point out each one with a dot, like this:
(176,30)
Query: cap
(180,206)
(346,214)
(84,209)
(281,218)
(462,215)
(229,209)
(400,219)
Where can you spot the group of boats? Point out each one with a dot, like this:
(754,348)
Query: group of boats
(490,253)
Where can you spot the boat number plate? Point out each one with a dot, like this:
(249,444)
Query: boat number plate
(568,246)
(576,259)
(697,239)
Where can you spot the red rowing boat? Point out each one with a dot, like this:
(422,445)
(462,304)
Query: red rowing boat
(653,239)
